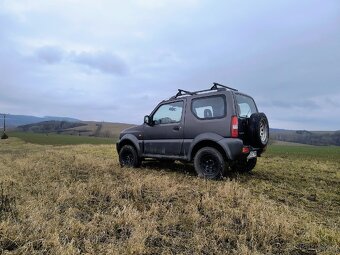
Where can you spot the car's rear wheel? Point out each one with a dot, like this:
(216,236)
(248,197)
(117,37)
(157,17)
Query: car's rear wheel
(209,163)
(244,165)
(128,157)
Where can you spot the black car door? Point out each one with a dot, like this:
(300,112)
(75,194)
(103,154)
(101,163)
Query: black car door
(165,135)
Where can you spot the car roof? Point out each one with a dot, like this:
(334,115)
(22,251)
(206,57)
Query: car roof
(216,89)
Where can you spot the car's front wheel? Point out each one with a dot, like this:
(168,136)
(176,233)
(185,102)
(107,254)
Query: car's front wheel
(128,157)
(209,163)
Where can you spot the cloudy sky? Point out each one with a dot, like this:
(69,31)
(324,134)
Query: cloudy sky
(114,60)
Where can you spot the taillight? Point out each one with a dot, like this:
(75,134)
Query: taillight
(234,126)
(245,149)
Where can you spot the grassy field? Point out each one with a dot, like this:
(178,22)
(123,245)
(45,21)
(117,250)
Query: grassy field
(76,199)
(305,151)
(60,139)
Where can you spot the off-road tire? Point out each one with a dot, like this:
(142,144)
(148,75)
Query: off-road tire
(209,163)
(128,157)
(244,166)
(258,130)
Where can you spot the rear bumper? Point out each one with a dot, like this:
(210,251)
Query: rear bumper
(233,148)
(259,150)
(251,150)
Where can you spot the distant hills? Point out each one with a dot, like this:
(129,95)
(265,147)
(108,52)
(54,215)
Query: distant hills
(80,128)
(72,126)
(306,137)
(52,126)
(62,125)
(18,120)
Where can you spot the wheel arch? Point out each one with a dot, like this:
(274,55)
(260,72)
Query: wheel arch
(210,140)
(207,143)
(129,139)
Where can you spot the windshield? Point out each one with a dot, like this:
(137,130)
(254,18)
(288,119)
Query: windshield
(246,106)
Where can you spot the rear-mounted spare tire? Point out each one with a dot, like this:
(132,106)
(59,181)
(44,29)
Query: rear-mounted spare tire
(258,130)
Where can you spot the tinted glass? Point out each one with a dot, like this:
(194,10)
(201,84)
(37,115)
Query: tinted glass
(246,106)
(169,113)
(209,107)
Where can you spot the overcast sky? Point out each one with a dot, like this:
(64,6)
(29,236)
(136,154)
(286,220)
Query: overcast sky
(114,60)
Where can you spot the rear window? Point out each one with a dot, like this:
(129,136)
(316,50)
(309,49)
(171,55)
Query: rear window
(209,107)
(246,106)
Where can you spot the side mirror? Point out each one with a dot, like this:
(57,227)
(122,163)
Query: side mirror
(147,120)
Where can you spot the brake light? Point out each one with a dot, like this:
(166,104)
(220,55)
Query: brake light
(245,150)
(234,126)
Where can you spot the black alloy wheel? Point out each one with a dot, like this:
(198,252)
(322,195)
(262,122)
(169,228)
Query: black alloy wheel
(209,163)
(128,157)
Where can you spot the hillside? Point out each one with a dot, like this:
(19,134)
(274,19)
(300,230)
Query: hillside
(99,129)
(49,126)
(307,137)
(78,200)
(84,128)
(13,121)
(71,126)
(112,130)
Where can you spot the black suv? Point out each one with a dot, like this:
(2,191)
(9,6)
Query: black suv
(216,129)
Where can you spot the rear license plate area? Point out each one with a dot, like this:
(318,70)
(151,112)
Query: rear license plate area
(252,154)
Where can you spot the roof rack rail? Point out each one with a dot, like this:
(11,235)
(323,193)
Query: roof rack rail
(216,85)
(182,92)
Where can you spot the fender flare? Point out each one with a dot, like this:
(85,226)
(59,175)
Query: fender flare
(131,139)
(210,137)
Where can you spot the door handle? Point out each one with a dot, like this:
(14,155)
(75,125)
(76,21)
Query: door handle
(176,128)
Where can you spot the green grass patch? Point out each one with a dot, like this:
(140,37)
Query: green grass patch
(57,139)
(305,151)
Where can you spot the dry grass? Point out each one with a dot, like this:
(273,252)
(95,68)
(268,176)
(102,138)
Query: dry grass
(76,199)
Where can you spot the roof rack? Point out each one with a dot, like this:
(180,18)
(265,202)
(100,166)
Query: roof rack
(216,86)
(182,92)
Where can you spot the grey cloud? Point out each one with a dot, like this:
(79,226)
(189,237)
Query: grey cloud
(102,61)
(50,54)
(289,103)
(283,53)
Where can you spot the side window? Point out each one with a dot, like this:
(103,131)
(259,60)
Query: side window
(168,113)
(246,106)
(209,107)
